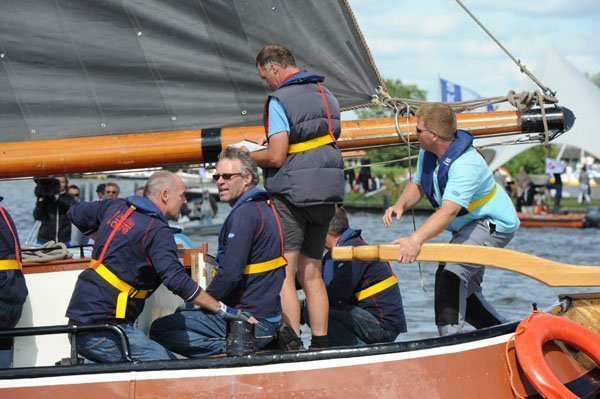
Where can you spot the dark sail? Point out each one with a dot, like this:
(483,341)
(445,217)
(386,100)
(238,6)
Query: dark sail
(71,68)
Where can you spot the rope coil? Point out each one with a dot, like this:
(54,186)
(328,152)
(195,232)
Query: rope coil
(54,251)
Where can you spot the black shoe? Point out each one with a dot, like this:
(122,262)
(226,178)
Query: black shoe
(287,339)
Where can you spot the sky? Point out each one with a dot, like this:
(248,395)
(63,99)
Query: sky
(419,41)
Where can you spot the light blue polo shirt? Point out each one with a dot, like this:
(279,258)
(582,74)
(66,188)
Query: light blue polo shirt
(469,179)
(278,121)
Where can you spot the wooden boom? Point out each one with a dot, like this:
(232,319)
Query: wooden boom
(552,273)
(132,151)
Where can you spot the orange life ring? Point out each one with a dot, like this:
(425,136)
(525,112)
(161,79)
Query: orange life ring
(534,332)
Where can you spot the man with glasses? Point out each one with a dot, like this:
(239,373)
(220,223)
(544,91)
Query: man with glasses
(251,266)
(134,253)
(304,171)
(468,202)
(111,190)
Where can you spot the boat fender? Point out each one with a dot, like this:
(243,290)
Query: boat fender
(240,338)
(539,328)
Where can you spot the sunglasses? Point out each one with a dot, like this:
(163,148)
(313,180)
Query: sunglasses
(421,131)
(225,176)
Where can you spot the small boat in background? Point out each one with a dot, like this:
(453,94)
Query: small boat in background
(571,220)
(574,220)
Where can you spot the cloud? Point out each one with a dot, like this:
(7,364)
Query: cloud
(539,8)
(416,42)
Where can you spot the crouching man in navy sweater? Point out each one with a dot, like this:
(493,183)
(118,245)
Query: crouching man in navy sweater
(134,253)
(365,305)
(251,266)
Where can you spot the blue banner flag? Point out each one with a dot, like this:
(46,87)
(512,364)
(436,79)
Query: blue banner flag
(452,92)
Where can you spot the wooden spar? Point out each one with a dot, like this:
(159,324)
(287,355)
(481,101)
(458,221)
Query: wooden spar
(132,151)
(552,273)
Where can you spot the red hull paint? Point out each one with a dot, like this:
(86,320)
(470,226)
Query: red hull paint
(475,373)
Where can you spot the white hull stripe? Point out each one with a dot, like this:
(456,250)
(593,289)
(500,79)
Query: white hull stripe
(265,369)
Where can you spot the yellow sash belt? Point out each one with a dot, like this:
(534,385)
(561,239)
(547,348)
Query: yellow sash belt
(310,144)
(127,291)
(263,267)
(483,200)
(376,288)
(9,264)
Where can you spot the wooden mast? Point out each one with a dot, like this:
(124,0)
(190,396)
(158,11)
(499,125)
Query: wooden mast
(131,151)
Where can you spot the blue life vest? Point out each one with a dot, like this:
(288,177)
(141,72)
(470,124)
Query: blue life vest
(462,142)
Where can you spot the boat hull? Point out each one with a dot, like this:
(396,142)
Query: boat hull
(468,370)
(475,364)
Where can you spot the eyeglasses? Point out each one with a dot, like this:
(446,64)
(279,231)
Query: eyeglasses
(110,192)
(419,131)
(225,176)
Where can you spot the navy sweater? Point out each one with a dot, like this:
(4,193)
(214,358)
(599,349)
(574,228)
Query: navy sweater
(352,277)
(250,234)
(142,253)
(13,290)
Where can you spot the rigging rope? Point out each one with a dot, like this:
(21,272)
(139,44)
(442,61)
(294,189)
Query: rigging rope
(382,162)
(406,140)
(521,66)
(54,251)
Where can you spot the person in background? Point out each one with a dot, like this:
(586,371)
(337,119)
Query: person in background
(51,208)
(527,197)
(364,177)
(584,186)
(470,204)
(100,190)
(134,253)
(349,176)
(520,181)
(111,190)
(304,173)
(75,192)
(557,186)
(77,237)
(140,191)
(365,304)
(13,290)
(251,266)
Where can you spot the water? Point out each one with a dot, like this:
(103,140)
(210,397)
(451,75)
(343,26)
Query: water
(511,294)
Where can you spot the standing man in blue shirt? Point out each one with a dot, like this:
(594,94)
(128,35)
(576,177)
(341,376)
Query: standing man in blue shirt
(304,172)
(251,266)
(133,254)
(468,202)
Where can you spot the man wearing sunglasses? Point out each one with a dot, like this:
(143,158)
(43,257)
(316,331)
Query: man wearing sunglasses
(468,202)
(111,190)
(251,266)
(304,171)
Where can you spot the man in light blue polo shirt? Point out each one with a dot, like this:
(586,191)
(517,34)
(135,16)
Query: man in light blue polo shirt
(459,184)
